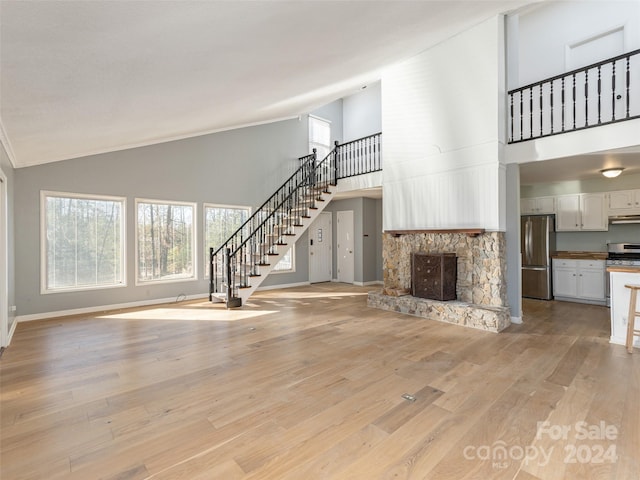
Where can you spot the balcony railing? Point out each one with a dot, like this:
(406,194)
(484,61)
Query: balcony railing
(599,94)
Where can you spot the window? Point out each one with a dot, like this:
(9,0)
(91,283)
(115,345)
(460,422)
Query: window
(165,241)
(319,136)
(286,263)
(83,241)
(220,222)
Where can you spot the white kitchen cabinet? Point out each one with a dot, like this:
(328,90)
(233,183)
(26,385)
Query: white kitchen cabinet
(564,278)
(579,280)
(538,205)
(624,202)
(620,304)
(581,212)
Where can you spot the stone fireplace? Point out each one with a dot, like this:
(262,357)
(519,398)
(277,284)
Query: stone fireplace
(481,278)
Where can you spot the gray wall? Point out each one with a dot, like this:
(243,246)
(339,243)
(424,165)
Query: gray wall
(367,219)
(363,113)
(333,113)
(237,167)
(9,172)
(378,232)
(371,240)
(597,241)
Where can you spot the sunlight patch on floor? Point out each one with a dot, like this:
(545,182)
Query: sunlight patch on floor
(190,314)
(329,295)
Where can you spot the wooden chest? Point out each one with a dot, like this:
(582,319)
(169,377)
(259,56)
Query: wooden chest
(433,275)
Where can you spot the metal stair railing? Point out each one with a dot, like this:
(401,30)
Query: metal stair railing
(235,262)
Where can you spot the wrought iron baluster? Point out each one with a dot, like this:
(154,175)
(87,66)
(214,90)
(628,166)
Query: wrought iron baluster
(551,100)
(562,102)
(613,91)
(574,101)
(599,94)
(586,98)
(628,83)
(541,116)
(521,116)
(511,115)
(531,112)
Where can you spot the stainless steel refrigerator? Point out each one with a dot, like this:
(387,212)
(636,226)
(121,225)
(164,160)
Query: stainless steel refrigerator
(538,237)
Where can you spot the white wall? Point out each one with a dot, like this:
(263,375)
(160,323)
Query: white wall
(441,120)
(544,33)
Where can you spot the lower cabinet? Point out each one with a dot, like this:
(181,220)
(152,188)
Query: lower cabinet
(580,281)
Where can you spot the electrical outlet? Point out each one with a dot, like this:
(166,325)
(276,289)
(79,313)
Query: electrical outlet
(13,308)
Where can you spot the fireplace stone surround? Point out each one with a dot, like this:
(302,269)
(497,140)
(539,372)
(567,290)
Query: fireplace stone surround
(481,281)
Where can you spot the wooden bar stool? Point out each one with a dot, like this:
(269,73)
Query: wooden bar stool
(633,313)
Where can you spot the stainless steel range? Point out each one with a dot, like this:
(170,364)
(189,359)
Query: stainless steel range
(627,254)
(621,254)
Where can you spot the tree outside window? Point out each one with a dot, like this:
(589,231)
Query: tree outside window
(165,241)
(220,222)
(83,244)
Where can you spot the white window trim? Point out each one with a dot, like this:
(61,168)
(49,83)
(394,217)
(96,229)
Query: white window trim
(192,278)
(312,144)
(204,227)
(43,241)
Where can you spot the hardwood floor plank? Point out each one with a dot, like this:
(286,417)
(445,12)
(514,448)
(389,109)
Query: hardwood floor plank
(307,383)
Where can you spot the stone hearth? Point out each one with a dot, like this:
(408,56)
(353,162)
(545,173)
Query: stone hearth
(481,283)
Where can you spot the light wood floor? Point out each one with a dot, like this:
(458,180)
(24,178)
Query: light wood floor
(307,384)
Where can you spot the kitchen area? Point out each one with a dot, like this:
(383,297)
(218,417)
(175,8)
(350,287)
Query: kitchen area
(580,242)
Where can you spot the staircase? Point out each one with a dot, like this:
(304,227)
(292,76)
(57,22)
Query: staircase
(240,265)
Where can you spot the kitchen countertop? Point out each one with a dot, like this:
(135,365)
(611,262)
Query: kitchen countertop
(623,268)
(566,255)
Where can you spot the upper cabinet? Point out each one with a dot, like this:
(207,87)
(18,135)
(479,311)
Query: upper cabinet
(538,205)
(581,212)
(624,202)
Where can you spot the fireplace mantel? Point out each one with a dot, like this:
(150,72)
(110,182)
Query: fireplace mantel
(471,232)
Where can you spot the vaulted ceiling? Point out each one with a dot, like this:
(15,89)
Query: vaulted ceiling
(83,77)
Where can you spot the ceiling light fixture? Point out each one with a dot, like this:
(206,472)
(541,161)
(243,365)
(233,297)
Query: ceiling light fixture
(611,172)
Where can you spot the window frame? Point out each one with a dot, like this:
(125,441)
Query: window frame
(44,269)
(194,234)
(293,263)
(313,144)
(205,206)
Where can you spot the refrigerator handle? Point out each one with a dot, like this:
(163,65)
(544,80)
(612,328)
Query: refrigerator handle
(527,241)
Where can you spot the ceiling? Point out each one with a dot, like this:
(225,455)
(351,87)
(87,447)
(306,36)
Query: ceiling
(581,167)
(85,77)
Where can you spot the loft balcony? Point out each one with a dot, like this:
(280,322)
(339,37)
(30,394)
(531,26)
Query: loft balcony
(600,94)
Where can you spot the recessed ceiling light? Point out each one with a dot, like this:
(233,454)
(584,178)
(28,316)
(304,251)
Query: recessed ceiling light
(611,172)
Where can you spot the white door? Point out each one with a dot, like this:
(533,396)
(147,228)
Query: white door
(345,246)
(320,240)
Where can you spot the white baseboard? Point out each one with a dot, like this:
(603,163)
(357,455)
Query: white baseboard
(362,284)
(104,308)
(366,284)
(12,330)
(284,285)
(517,320)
